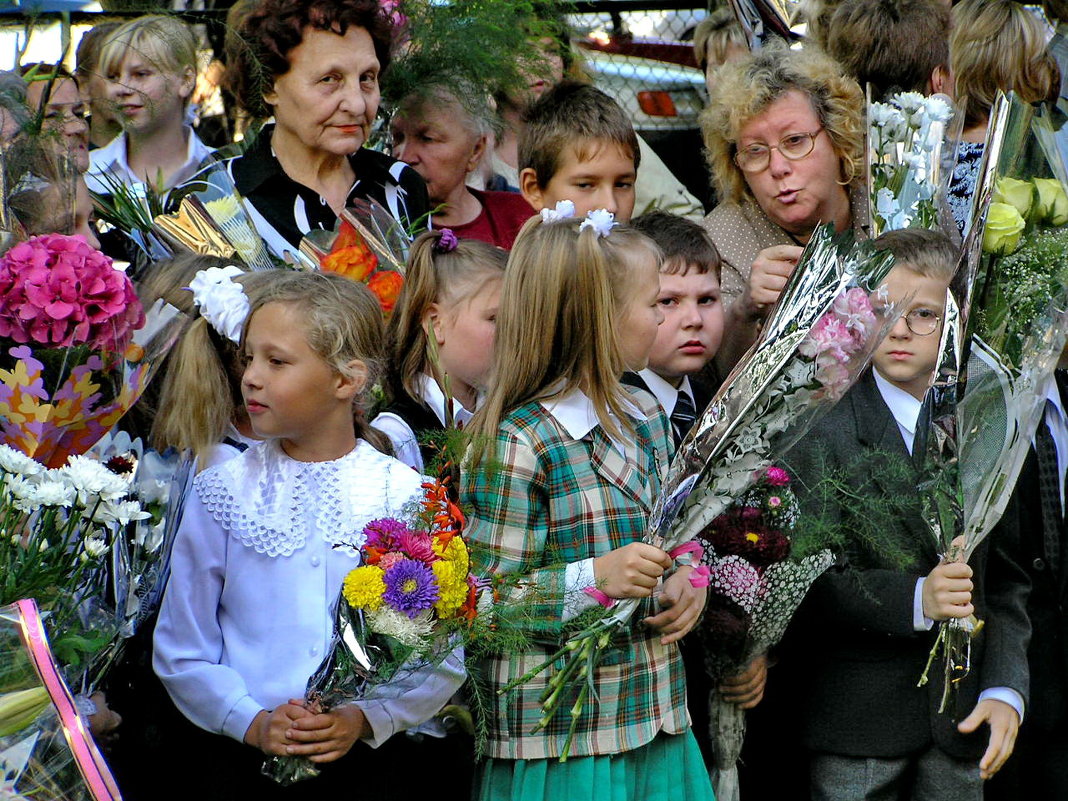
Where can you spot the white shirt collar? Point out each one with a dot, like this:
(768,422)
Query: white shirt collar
(432,395)
(112,158)
(903,406)
(665,394)
(574,411)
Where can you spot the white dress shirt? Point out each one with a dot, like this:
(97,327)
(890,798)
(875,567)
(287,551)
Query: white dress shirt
(111,159)
(666,395)
(403,438)
(255,573)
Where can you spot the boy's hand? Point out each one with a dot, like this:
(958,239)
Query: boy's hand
(771,270)
(746,689)
(947,590)
(682,604)
(631,571)
(327,736)
(1004,724)
(267,731)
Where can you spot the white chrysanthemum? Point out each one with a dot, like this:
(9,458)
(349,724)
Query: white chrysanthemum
(13,461)
(23,492)
(95,547)
(121,512)
(414,633)
(54,493)
(91,479)
(938,110)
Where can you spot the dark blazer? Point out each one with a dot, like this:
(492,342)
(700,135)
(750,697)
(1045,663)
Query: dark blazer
(1044,555)
(860,658)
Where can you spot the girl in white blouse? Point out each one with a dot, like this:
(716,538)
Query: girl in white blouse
(266,540)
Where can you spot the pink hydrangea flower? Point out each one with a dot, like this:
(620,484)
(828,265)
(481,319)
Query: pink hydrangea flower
(58,292)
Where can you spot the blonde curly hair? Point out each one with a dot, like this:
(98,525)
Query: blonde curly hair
(745,88)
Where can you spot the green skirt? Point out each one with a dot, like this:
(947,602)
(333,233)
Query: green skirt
(670,768)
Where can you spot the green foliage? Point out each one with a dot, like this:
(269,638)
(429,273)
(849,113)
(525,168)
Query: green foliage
(856,510)
(475,48)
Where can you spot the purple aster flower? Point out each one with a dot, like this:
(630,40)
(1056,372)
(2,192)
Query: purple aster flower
(384,533)
(410,587)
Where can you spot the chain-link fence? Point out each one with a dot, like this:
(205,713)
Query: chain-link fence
(641,54)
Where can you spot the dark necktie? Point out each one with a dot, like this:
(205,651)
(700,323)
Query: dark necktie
(683,416)
(1049,483)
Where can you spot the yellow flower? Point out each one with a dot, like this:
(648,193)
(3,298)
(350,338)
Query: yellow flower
(452,587)
(1052,201)
(1019,194)
(455,552)
(1003,228)
(364,587)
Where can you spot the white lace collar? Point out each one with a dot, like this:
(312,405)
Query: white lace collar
(270,502)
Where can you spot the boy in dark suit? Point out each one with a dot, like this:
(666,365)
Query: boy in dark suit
(867,626)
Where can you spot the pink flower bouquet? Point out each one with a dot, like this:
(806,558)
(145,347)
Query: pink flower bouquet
(70,363)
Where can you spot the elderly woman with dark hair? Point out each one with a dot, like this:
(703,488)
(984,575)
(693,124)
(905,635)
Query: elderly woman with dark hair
(785,138)
(313,67)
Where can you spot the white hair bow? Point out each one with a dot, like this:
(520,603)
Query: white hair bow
(600,220)
(221,300)
(564,210)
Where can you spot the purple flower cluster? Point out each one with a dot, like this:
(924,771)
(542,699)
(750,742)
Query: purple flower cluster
(410,587)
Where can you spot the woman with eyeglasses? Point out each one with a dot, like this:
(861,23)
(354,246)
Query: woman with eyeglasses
(785,139)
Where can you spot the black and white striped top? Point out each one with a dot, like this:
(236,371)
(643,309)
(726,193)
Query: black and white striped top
(285,210)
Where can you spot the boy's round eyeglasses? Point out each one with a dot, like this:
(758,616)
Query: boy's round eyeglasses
(922,322)
(757,156)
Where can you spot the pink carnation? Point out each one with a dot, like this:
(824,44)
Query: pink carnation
(58,292)
(777,477)
(854,309)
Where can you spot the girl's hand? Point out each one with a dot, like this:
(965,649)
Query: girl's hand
(682,604)
(267,732)
(631,571)
(327,736)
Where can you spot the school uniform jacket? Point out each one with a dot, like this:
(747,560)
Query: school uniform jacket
(856,655)
(554,500)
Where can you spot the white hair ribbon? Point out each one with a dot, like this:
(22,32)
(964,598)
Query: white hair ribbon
(600,220)
(221,300)
(564,210)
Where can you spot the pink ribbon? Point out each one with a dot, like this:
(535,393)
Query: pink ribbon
(701,576)
(90,763)
(600,597)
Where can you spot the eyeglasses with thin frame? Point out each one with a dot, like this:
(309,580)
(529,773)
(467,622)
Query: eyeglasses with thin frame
(922,322)
(757,156)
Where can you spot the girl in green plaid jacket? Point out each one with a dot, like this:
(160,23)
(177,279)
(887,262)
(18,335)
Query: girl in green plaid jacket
(565,505)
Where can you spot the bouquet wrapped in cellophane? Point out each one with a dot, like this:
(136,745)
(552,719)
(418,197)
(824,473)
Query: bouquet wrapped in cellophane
(1005,327)
(75,350)
(395,612)
(210,217)
(369,246)
(813,347)
(757,579)
(61,526)
(46,751)
(908,154)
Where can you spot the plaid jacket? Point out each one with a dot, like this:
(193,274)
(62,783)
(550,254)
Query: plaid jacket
(553,501)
